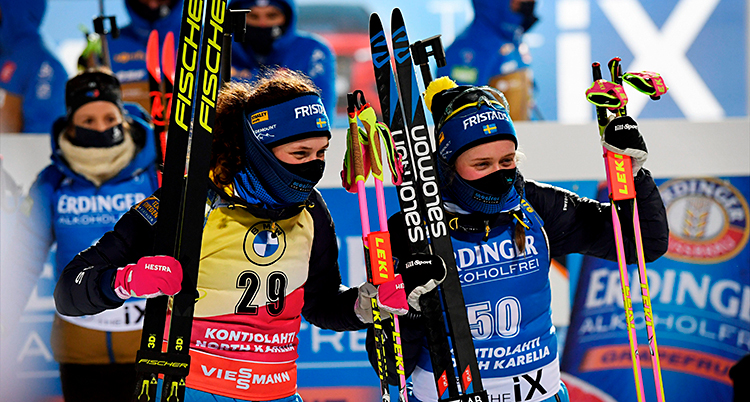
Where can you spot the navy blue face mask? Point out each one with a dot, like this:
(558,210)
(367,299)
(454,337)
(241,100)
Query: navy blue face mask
(496,183)
(488,195)
(312,170)
(88,138)
(527,10)
(261,39)
(266,180)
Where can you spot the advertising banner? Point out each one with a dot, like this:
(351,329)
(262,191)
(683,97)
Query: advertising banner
(700,296)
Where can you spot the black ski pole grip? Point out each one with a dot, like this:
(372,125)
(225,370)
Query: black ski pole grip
(234,25)
(421,56)
(596,70)
(237,24)
(99,26)
(113,30)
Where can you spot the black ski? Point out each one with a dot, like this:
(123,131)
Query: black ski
(421,202)
(181,211)
(411,207)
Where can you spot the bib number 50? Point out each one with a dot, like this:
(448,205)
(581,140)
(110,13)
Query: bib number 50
(505,320)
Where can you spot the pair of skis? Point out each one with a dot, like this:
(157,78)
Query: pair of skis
(179,226)
(425,218)
(610,96)
(160,70)
(362,157)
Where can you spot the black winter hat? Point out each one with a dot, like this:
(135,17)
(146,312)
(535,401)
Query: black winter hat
(91,86)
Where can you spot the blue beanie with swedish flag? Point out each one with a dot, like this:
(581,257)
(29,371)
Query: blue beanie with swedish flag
(298,118)
(467,116)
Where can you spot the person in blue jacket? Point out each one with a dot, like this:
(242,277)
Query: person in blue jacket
(103,162)
(128,51)
(273,40)
(490,52)
(32,80)
(504,230)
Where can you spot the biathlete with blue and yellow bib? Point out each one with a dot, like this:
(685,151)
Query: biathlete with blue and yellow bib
(268,255)
(505,230)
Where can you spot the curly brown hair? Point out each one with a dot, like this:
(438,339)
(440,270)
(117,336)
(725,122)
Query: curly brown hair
(236,99)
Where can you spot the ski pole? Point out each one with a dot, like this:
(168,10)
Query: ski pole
(374,131)
(99,29)
(376,244)
(620,164)
(619,172)
(616,71)
(421,56)
(234,25)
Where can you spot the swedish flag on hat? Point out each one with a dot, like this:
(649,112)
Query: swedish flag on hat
(466,116)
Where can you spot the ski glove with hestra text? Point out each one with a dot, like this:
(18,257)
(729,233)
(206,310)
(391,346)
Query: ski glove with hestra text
(149,277)
(390,296)
(621,136)
(422,273)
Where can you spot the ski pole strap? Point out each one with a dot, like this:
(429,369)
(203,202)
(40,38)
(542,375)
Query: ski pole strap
(607,94)
(372,140)
(647,82)
(394,158)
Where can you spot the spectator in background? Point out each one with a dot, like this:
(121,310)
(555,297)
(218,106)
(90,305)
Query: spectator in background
(273,40)
(128,51)
(103,162)
(32,80)
(489,52)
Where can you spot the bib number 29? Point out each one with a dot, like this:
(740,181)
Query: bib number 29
(275,292)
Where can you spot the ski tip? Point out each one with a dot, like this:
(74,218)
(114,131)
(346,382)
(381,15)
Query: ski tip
(396,15)
(152,56)
(168,57)
(375,23)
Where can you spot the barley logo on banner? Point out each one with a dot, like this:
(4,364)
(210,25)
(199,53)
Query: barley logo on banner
(707,220)
(265,243)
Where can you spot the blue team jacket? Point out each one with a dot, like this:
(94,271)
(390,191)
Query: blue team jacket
(295,50)
(27,68)
(65,207)
(488,47)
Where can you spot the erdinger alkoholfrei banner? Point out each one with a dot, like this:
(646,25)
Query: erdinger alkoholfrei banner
(700,293)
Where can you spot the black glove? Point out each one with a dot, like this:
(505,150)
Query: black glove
(622,136)
(421,274)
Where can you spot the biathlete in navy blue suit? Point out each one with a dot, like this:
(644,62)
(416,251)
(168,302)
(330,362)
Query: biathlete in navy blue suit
(504,231)
(491,51)
(103,163)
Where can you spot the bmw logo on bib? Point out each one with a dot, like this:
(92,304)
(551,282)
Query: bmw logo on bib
(265,243)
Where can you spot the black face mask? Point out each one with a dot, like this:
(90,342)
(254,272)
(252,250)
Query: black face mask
(88,138)
(312,170)
(261,39)
(496,183)
(147,13)
(527,10)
